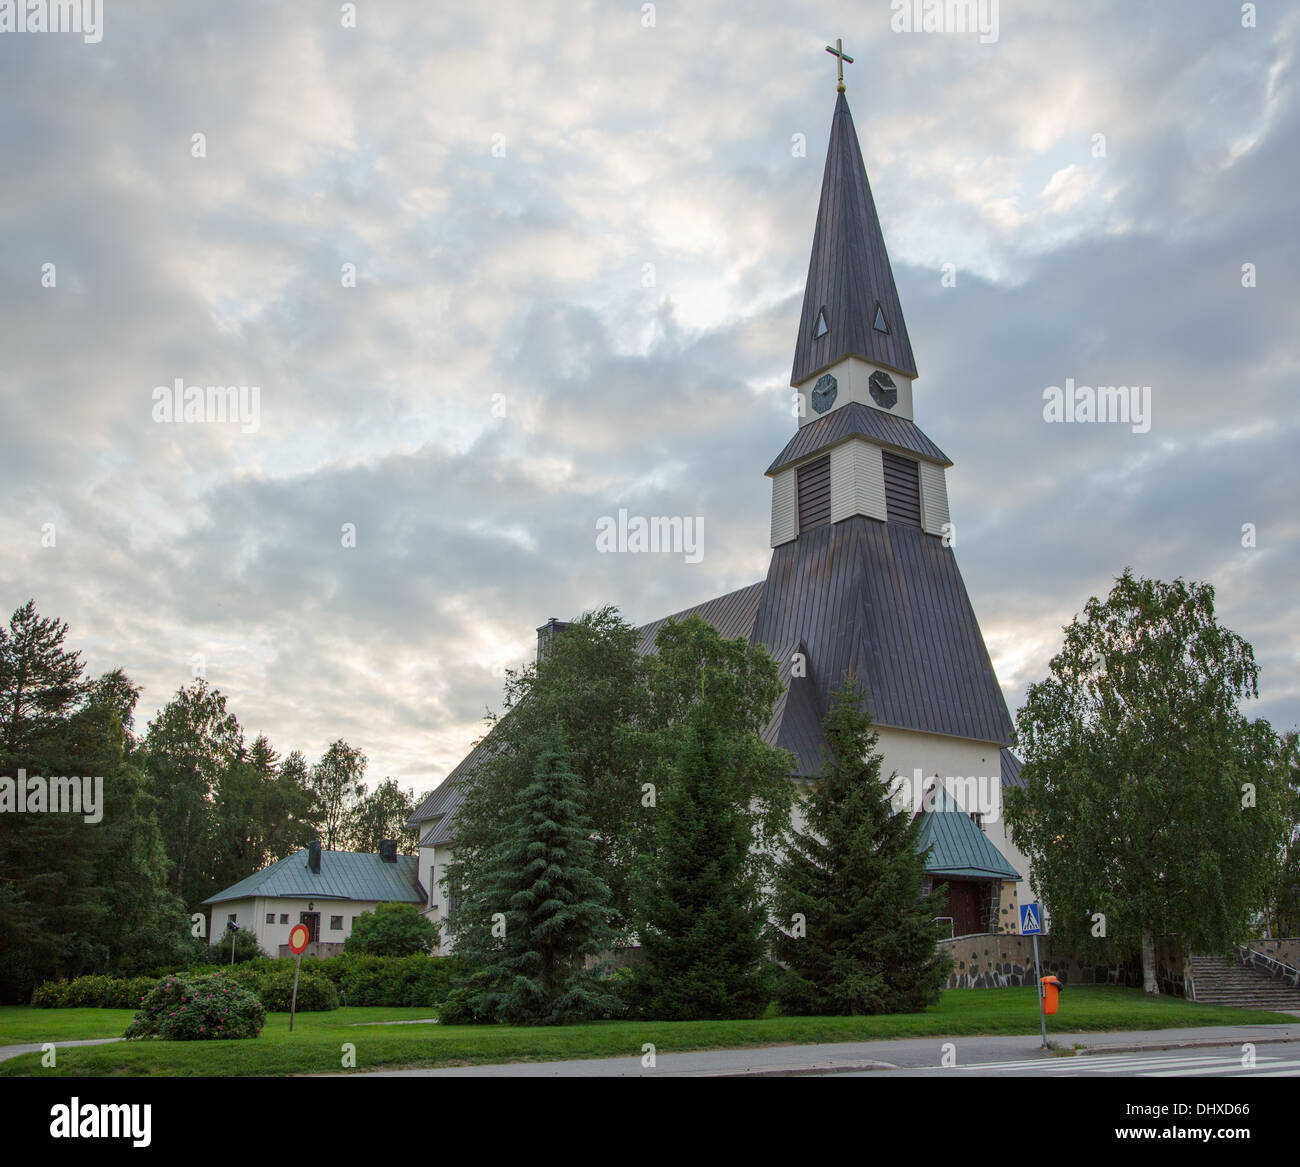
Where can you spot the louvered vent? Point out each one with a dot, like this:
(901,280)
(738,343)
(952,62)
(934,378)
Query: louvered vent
(902,490)
(815,494)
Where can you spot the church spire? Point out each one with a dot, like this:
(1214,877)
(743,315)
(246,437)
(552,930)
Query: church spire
(850,304)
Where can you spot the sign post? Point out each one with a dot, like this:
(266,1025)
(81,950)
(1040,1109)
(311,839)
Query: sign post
(298,938)
(1031,925)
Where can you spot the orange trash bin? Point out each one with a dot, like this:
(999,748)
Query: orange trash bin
(1051,991)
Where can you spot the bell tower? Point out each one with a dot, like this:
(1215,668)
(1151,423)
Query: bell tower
(857,450)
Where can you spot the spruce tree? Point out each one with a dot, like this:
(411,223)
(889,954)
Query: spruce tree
(703,919)
(853,880)
(542,909)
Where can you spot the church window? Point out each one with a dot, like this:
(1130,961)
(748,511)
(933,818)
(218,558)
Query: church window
(270,917)
(284,917)
(814,487)
(879,324)
(821,329)
(336,923)
(902,490)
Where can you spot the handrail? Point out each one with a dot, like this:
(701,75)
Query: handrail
(1273,962)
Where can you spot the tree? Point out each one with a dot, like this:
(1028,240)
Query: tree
(79,892)
(1151,807)
(381,814)
(717,797)
(590,681)
(541,911)
(333,783)
(40,681)
(191,745)
(703,918)
(392,930)
(850,887)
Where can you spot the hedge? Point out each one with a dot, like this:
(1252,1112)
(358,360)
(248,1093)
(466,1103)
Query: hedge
(402,981)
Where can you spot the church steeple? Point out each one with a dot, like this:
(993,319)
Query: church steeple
(850,304)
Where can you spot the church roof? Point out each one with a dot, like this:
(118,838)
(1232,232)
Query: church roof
(959,846)
(887,601)
(849,278)
(857,420)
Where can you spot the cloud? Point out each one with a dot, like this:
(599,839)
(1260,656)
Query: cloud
(600,313)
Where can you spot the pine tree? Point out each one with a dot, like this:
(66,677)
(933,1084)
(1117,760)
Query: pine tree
(849,888)
(542,910)
(703,919)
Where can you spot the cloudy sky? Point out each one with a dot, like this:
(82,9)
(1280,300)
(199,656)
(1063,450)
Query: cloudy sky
(580,233)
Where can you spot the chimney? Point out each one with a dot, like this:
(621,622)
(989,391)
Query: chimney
(547,632)
(388,850)
(313,857)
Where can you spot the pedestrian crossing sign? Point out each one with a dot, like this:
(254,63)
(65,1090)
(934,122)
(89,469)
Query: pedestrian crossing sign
(1030,924)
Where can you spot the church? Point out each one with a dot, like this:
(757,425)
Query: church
(863,577)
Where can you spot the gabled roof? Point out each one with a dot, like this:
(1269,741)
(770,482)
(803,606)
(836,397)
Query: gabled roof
(858,420)
(960,847)
(849,277)
(796,723)
(343,875)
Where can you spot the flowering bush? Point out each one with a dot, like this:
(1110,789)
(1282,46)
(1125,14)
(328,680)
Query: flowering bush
(205,1008)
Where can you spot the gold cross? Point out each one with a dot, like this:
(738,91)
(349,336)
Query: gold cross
(838,51)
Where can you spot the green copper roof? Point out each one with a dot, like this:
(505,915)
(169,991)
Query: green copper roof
(960,847)
(343,875)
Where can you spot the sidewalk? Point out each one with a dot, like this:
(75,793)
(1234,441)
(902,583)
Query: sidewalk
(842,1057)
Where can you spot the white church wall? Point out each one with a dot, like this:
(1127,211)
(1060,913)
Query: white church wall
(934,498)
(948,757)
(784,521)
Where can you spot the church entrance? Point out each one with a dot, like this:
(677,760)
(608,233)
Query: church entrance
(967,904)
(312,920)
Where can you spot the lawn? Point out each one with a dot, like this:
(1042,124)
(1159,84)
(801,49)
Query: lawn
(315,1046)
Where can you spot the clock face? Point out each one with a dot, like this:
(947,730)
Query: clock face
(823,394)
(883,390)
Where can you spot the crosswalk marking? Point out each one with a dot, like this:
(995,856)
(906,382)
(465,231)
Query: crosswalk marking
(1155,1065)
(1274,1068)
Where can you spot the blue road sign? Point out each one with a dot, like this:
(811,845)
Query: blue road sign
(1030,921)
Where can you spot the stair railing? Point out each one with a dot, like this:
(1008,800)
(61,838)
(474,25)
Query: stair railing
(1252,958)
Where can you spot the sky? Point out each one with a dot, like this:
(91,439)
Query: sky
(578,235)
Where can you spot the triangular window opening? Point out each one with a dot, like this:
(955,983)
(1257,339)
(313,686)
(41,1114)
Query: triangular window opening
(821,329)
(880,325)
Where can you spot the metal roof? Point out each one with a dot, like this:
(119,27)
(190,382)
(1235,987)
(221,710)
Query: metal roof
(1011,770)
(849,276)
(858,420)
(960,847)
(886,600)
(343,875)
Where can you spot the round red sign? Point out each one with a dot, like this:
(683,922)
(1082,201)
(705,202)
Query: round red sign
(298,938)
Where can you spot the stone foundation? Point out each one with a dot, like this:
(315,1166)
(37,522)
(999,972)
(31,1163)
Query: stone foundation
(1001,961)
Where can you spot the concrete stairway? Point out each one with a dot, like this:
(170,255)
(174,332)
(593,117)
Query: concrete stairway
(1220,981)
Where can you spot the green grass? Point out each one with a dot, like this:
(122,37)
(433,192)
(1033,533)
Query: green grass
(315,1044)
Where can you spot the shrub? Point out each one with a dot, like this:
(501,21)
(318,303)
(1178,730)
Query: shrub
(246,948)
(93,992)
(419,981)
(199,1009)
(392,930)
